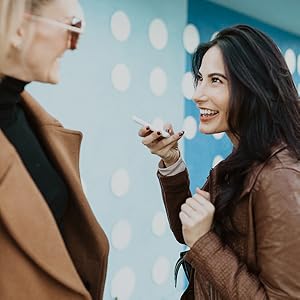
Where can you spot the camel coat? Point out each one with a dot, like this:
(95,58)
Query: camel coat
(35,261)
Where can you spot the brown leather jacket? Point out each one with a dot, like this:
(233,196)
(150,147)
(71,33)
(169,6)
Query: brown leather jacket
(265,262)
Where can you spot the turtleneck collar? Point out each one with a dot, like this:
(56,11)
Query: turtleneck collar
(10,90)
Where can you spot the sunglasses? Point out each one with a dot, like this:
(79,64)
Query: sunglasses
(75,28)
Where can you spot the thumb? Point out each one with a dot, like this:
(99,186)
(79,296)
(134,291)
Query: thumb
(202,193)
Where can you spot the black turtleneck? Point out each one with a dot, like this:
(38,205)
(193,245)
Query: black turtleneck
(17,129)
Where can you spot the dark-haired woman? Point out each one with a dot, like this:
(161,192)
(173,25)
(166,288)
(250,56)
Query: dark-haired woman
(243,226)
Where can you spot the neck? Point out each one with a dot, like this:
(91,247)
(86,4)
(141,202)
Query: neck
(234,140)
(15,67)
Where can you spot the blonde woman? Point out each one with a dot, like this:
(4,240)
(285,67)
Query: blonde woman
(51,245)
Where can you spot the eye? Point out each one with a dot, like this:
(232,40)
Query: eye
(216,79)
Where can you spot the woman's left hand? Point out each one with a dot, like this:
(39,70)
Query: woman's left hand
(196,216)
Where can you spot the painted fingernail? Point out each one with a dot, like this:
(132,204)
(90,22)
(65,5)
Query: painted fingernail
(158,132)
(181,133)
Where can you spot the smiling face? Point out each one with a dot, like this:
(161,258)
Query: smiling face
(39,45)
(212,93)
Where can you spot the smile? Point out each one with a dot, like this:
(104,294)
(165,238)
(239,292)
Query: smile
(208,114)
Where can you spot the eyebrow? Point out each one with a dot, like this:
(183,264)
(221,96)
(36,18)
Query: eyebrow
(215,74)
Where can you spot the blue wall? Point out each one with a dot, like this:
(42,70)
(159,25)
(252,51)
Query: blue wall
(118,173)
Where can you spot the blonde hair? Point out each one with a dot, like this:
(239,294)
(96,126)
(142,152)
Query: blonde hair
(11,14)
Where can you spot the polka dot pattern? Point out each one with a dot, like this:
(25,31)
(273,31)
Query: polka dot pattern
(159,224)
(190,127)
(120,26)
(123,284)
(138,62)
(120,182)
(121,77)
(161,270)
(217,160)
(158,81)
(121,235)
(191,38)
(290,58)
(187,85)
(158,34)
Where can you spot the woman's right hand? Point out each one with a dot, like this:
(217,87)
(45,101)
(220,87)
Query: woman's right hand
(165,148)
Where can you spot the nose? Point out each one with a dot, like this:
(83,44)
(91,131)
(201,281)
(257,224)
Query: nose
(199,93)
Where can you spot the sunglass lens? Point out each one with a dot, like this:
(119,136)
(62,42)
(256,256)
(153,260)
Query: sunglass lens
(75,35)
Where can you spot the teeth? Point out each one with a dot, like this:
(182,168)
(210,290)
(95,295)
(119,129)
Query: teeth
(208,111)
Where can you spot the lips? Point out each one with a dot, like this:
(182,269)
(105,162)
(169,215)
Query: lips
(207,114)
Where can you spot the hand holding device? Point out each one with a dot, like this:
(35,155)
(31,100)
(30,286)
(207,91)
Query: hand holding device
(144,123)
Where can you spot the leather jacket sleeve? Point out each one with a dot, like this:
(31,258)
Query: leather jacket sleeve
(275,201)
(175,190)
(276,205)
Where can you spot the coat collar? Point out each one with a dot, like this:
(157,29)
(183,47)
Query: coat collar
(249,180)
(256,169)
(28,219)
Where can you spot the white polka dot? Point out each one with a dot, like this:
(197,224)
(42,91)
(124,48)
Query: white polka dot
(218,136)
(120,182)
(121,235)
(120,26)
(290,59)
(190,127)
(158,34)
(216,160)
(158,81)
(161,270)
(159,223)
(187,85)
(123,284)
(214,35)
(298,64)
(120,77)
(191,38)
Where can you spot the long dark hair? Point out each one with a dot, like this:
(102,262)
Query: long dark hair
(263,111)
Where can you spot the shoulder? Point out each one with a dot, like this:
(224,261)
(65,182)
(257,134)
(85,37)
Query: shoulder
(38,113)
(277,185)
(280,166)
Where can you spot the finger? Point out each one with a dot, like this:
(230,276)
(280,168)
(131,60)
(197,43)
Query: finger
(169,128)
(192,213)
(204,194)
(185,220)
(167,141)
(153,137)
(194,204)
(144,131)
(206,204)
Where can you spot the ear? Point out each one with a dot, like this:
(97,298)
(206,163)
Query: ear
(18,37)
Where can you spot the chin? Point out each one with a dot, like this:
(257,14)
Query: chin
(53,77)
(206,130)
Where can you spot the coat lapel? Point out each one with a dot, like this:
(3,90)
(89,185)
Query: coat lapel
(28,218)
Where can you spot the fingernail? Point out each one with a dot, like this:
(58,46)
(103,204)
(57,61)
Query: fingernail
(158,132)
(147,128)
(181,133)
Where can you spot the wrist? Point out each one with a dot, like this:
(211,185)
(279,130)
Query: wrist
(172,159)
